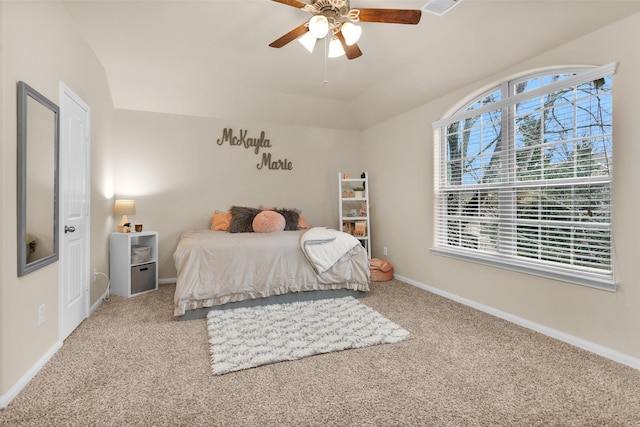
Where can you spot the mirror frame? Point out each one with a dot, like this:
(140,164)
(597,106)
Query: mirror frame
(25,94)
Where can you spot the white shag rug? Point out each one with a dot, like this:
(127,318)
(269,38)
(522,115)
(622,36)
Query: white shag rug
(244,338)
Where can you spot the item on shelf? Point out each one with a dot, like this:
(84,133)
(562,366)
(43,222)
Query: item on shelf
(345,194)
(360,229)
(140,254)
(346,176)
(124,208)
(351,194)
(348,227)
(138,227)
(363,208)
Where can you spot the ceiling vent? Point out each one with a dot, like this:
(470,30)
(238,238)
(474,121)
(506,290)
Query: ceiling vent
(439,7)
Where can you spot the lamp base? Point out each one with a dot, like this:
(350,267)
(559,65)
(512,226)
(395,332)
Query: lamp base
(122,223)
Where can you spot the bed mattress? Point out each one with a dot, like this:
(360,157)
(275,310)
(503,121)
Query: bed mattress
(217,267)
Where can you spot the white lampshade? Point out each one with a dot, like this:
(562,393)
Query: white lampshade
(351,33)
(319,26)
(308,40)
(335,48)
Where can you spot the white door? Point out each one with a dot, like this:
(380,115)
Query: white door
(74,210)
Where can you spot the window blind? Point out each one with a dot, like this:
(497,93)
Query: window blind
(524,177)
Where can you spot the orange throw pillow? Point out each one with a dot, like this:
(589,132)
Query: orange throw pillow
(220,221)
(302,223)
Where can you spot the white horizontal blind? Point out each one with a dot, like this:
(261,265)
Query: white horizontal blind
(524,178)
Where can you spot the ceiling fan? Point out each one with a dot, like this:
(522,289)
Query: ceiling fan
(335,18)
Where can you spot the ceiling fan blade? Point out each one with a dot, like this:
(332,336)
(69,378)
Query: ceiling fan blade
(353,51)
(290,36)
(294,3)
(392,16)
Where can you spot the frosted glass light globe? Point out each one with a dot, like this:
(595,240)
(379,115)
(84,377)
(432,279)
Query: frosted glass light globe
(335,48)
(351,33)
(319,26)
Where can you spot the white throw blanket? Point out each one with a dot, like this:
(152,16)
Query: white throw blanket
(323,247)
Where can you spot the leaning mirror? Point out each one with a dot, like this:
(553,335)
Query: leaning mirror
(38,124)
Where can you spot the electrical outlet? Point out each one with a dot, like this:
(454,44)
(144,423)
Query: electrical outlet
(41,314)
(384,250)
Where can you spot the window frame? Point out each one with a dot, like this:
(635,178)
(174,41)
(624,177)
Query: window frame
(508,100)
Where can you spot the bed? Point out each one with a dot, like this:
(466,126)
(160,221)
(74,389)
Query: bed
(217,268)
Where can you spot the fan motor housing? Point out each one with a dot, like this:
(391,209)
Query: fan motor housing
(336,9)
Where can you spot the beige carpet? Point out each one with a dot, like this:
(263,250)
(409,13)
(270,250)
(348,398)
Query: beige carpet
(131,364)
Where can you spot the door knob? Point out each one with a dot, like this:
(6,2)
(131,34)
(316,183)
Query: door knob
(68,229)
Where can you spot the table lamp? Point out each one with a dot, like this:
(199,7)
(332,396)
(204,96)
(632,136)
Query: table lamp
(124,208)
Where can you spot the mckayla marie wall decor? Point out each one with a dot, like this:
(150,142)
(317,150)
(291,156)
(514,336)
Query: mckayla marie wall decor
(241,140)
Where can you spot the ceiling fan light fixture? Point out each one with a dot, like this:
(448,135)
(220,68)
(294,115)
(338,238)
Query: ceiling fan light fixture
(351,33)
(335,48)
(308,40)
(319,26)
(335,22)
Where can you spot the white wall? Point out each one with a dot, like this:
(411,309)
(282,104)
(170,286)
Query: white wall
(42,47)
(400,158)
(3,179)
(178,175)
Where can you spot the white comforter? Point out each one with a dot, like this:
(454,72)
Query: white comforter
(323,247)
(216,267)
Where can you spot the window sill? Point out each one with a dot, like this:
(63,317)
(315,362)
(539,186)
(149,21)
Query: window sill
(589,279)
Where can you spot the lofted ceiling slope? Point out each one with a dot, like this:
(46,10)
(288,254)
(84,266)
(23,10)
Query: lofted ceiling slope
(211,58)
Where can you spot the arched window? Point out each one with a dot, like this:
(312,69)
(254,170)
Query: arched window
(524,177)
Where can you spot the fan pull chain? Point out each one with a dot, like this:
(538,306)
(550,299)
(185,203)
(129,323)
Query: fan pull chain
(326,53)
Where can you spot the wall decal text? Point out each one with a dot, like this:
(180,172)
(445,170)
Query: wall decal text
(276,164)
(240,139)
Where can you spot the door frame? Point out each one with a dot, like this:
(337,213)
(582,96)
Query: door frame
(66,91)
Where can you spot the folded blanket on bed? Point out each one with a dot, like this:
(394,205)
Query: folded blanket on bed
(323,247)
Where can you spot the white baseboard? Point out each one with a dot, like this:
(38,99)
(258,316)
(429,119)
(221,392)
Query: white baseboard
(15,390)
(614,355)
(97,303)
(167,280)
(5,399)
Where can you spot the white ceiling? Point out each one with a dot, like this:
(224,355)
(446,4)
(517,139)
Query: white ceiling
(211,57)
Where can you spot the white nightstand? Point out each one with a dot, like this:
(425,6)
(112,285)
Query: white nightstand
(133,262)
